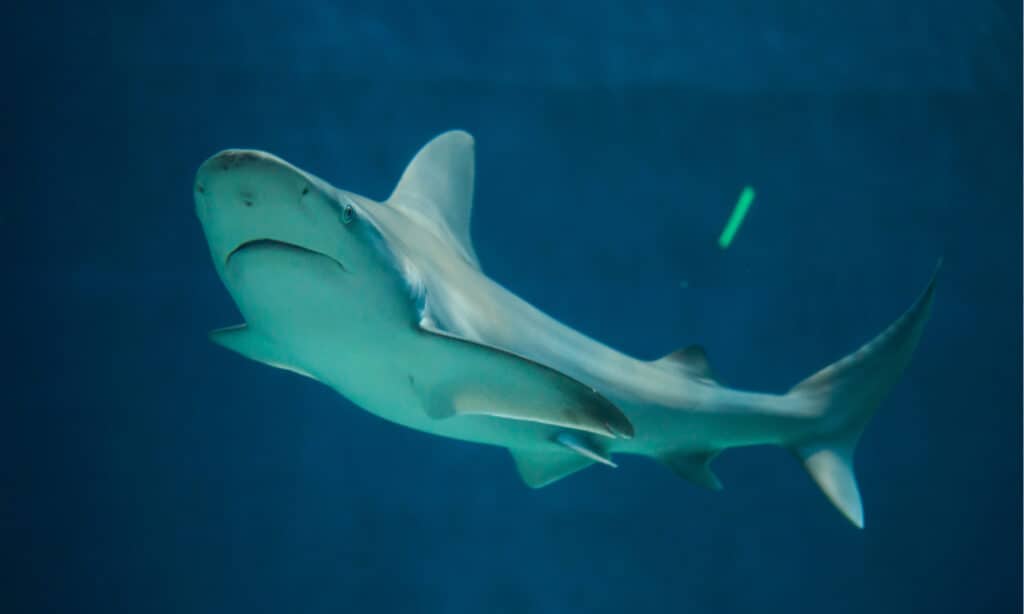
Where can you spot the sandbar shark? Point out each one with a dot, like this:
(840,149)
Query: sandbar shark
(386,303)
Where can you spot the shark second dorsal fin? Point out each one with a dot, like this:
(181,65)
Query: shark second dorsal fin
(436,190)
(692,358)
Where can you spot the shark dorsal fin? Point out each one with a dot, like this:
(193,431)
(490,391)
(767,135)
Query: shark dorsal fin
(693,358)
(436,190)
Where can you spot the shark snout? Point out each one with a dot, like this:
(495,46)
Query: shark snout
(247,178)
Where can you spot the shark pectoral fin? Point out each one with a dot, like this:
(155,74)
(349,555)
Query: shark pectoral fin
(472,378)
(538,468)
(694,466)
(254,346)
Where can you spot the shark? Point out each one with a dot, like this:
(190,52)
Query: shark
(386,303)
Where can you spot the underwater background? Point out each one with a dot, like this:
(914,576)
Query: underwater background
(146,470)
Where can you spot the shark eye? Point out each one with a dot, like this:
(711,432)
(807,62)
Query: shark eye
(347,214)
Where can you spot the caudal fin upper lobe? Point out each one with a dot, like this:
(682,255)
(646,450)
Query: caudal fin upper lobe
(846,394)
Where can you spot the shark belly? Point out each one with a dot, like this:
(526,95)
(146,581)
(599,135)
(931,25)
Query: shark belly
(396,380)
(300,317)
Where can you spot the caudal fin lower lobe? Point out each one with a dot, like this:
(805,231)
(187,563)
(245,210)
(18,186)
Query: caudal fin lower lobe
(847,393)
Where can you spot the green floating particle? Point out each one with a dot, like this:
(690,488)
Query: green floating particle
(738,213)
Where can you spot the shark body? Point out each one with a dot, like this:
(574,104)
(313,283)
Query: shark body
(385,302)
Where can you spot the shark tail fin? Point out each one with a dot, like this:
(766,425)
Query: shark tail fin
(844,395)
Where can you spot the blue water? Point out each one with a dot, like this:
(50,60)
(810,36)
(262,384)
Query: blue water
(146,470)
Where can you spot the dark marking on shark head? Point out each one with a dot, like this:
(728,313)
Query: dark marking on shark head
(231,159)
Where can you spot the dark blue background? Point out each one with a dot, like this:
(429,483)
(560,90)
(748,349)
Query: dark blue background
(146,470)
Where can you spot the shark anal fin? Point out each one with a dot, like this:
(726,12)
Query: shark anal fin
(694,466)
(473,378)
(579,444)
(538,468)
(254,346)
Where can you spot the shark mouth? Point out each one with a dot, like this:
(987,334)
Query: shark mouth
(255,243)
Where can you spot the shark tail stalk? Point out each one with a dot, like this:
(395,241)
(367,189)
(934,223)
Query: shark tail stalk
(845,395)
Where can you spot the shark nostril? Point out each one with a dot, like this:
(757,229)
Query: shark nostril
(200,188)
(247,202)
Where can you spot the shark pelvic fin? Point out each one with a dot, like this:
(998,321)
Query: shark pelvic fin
(254,346)
(538,468)
(692,358)
(694,466)
(436,190)
(584,447)
(479,379)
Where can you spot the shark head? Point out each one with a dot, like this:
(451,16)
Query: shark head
(280,237)
(251,201)
(287,243)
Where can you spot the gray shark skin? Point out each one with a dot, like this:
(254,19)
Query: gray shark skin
(385,302)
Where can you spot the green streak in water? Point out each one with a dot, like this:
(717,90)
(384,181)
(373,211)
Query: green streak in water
(738,213)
